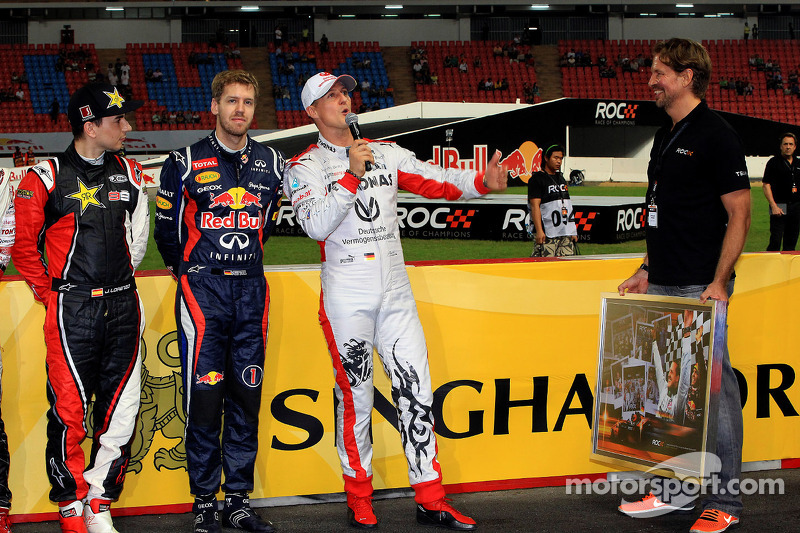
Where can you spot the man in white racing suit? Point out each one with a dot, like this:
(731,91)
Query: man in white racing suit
(366,298)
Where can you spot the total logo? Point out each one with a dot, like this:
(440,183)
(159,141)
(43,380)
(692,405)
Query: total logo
(236,198)
(232,220)
(212,378)
(524,161)
(200,164)
(615,111)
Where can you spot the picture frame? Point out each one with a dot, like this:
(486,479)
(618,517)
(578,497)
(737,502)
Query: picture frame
(655,407)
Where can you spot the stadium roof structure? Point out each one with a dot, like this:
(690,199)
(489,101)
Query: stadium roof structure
(415,8)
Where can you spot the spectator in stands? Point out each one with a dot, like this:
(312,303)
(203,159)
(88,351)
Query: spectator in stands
(723,83)
(112,77)
(746,30)
(748,88)
(118,67)
(156,118)
(417,68)
(503,85)
(755,31)
(463,67)
(482,84)
(164,117)
(20,94)
(125,69)
(781,176)
(602,60)
(30,157)
(180,118)
(54,109)
(476,62)
(434,78)
(157,75)
(365,85)
(489,84)
(14,77)
(497,50)
(323,43)
(172,118)
(18,157)
(278,36)
(148,75)
(196,117)
(125,79)
(91,74)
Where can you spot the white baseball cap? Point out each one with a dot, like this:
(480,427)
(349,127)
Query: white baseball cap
(317,86)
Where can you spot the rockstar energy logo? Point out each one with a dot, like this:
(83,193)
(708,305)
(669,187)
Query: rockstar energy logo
(524,161)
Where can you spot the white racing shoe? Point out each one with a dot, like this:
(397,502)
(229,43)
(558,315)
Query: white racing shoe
(97,515)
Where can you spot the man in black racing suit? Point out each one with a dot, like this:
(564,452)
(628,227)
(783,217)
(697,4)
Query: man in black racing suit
(87,211)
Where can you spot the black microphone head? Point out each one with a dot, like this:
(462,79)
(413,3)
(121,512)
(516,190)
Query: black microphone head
(351,118)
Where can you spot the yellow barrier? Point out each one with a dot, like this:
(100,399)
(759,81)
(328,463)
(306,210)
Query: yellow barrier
(512,348)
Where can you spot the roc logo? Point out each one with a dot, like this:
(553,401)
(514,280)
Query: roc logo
(524,161)
(458,218)
(212,378)
(613,110)
(162,203)
(207,177)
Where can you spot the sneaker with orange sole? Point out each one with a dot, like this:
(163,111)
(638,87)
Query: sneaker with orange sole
(714,521)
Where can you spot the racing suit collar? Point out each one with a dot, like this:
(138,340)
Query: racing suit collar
(340,151)
(79,162)
(242,155)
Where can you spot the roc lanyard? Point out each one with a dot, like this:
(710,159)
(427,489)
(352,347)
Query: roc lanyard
(652,206)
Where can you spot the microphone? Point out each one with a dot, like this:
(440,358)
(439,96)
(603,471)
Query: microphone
(351,119)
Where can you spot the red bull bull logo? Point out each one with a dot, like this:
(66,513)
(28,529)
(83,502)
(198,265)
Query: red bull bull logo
(212,378)
(524,161)
(233,220)
(236,198)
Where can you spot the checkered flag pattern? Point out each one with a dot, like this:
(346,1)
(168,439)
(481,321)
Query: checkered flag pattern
(675,334)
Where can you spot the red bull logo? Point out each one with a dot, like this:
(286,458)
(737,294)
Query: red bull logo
(236,198)
(449,157)
(212,378)
(523,161)
(240,220)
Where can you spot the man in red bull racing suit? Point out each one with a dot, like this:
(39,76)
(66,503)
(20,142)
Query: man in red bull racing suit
(82,229)
(215,209)
(366,298)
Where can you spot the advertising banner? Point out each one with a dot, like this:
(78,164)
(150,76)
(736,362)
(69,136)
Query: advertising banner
(513,360)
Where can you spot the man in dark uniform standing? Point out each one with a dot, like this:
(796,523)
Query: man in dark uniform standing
(551,210)
(215,210)
(698,215)
(780,186)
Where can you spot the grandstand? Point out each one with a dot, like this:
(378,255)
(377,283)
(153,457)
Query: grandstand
(730,58)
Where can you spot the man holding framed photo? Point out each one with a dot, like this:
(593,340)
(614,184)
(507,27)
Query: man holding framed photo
(698,215)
